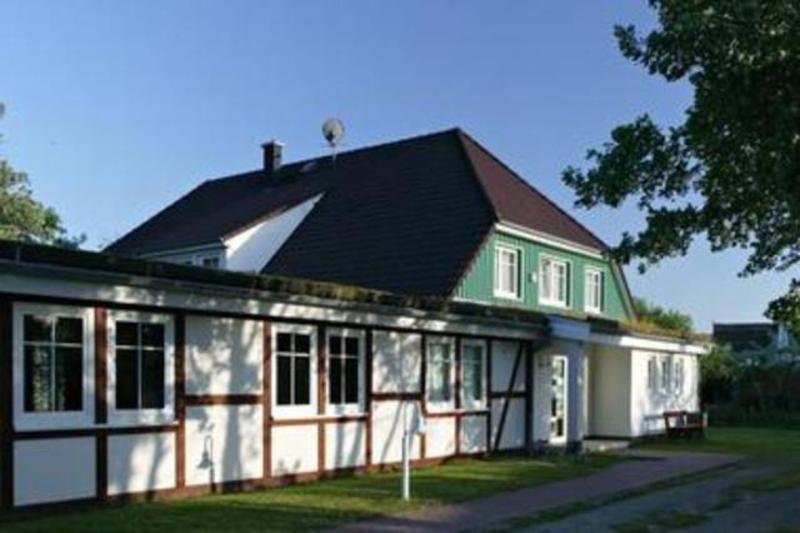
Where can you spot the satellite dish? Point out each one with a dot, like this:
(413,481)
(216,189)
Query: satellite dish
(333,131)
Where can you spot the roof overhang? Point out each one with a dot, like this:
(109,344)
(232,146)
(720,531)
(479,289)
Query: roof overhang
(46,271)
(549,240)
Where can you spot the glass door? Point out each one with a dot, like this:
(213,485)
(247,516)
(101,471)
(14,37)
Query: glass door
(558,400)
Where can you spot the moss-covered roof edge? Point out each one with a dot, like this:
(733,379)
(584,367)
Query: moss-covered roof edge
(27,253)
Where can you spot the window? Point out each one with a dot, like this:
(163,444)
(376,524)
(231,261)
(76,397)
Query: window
(139,356)
(295,366)
(593,290)
(507,272)
(554,285)
(210,261)
(53,366)
(345,375)
(679,375)
(473,375)
(141,368)
(440,374)
(666,374)
(652,374)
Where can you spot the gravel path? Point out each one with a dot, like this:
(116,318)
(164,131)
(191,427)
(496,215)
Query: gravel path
(713,503)
(487,513)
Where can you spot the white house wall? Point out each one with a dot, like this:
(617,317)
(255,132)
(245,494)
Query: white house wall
(295,449)
(54,470)
(223,443)
(141,463)
(504,356)
(610,382)
(513,437)
(440,437)
(396,362)
(648,406)
(345,445)
(473,434)
(387,431)
(218,435)
(223,355)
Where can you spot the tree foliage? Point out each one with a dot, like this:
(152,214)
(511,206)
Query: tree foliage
(731,170)
(662,318)
(22,217)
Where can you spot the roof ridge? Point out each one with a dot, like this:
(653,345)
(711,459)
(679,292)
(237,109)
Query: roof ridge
(347,153)
(531,187)
(490,208)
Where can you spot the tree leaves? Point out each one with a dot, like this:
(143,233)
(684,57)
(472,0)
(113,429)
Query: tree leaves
(731,170)
(22,217)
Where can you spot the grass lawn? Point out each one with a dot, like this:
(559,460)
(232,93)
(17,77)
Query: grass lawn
(319,504)
(768,444)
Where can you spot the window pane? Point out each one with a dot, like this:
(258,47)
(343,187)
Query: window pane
(302,343)
(127,375)
(351,380)
(38,392)
(210,262)
(335,344)
(153,379)
(69,330)
(284,383)
(284,342)
(37,328)
(153,335)
(351,345)
(473,373)
(335,380)
(302,379)
(69,379)
(127,334)
(440,373)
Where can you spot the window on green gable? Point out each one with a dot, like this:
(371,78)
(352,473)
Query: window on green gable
(554,282)
(594,288)
(507,272)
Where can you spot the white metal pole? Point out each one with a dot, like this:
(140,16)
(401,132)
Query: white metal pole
(406,456)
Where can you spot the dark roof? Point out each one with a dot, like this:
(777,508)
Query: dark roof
(405,217)
(743,337)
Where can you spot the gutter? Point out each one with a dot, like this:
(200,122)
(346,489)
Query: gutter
(51,272)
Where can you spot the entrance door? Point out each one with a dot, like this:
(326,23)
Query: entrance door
(558,400)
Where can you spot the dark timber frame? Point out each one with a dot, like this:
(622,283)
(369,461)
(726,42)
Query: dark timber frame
(101,431)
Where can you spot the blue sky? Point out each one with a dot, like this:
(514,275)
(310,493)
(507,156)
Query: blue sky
(116,108)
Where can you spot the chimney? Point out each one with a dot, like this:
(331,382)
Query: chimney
(273,150)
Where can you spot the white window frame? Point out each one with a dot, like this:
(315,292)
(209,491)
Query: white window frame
(517,252)
(470,404)
(24,420)
(653,381)
(665,374)
(439,406)
(346,408)
(545,299)
(553,439)
(296,411)
(599,279)
(136,417)
(678,374)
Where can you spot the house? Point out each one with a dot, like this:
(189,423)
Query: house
(281,325)
(757,343)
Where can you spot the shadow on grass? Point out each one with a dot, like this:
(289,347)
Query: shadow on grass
(318,504)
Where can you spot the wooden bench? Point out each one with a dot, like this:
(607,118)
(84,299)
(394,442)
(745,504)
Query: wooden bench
(685,424)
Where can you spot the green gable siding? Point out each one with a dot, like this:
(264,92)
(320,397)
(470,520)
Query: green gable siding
(478,283)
